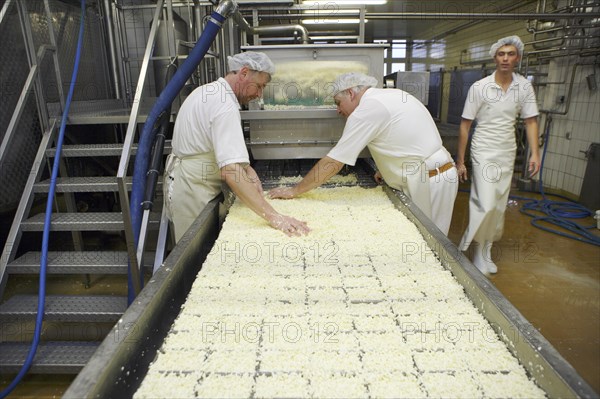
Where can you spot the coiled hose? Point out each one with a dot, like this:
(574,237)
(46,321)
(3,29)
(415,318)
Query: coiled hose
(557,212)
(151,127)
(47,220)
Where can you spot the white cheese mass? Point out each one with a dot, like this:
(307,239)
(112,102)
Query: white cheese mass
(343,312)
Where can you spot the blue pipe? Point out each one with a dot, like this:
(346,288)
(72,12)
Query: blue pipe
(48,217)
(149,131)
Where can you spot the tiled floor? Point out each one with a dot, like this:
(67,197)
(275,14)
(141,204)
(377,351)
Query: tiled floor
(553,281)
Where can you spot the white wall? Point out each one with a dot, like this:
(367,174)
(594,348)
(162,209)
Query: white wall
(565,164)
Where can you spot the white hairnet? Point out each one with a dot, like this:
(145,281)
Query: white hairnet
(508,41)
(253,60)
(352,79)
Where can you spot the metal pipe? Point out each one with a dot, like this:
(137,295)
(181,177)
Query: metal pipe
(571,84)
(478,16)
(472,23)
(116,75)
(197,19)
(239,19)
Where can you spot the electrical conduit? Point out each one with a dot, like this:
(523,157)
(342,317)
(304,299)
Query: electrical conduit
(48,217)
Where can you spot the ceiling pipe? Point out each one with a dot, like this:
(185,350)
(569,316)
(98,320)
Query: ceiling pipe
(482,16)
(257,30)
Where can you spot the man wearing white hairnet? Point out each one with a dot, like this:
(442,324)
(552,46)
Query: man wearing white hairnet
(208,148)
(402,139)
(495,102)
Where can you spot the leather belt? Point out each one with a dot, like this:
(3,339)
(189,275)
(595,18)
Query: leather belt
(441,169)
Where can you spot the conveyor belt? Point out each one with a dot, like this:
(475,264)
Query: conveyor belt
(271,172)
(123,358)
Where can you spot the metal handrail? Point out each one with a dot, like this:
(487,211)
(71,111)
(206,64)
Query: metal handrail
(14,235)
(16,116)
(4,10)
(126,153)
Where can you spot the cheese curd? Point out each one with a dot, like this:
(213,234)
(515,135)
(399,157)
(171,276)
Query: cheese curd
(360,307)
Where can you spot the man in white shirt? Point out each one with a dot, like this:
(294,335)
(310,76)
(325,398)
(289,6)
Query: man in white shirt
(403,141)
(495,101)
(208,148)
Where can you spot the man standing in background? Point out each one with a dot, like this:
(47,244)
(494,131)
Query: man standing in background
(495,102)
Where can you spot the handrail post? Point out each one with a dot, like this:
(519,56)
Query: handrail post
(61,95)
(31,57)
(125,154)
(4,10)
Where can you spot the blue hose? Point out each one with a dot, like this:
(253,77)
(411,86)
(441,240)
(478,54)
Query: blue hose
(557,212)
(48,217)
(149,131)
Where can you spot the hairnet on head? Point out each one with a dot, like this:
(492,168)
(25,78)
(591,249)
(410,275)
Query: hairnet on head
(352,79)
(253,60)
(508,41)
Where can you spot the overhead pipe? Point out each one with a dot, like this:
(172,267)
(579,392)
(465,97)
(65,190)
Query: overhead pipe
(257,30)
(478,16)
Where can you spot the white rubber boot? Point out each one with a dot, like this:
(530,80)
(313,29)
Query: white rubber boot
(479,257)
(487,255)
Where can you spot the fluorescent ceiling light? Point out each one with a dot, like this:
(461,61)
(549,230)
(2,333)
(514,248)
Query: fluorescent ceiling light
(325,21)
(343,2)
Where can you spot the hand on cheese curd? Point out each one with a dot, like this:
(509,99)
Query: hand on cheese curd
(282,192)
(289,225)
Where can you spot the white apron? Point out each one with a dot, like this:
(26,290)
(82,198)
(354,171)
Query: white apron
(434,196)
(493,153)
(189,184)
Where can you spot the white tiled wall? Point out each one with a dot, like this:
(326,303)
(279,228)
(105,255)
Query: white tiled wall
(565,159)
(565,164)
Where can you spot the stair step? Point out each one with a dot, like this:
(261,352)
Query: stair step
(85,184)
(88,221)
(72,262)
(65,308)
(103,111)
(98,150)
(50,358)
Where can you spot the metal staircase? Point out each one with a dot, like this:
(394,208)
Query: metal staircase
(20,310)
(73,257)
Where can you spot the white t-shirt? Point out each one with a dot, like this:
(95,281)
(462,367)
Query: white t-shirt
(209,121)
(393,124)
(485,97)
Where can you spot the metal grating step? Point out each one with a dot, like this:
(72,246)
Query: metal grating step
(65,308)
(103,111)
(98,150)
(74,262)
(89,221)
(50,358)
(85,184)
